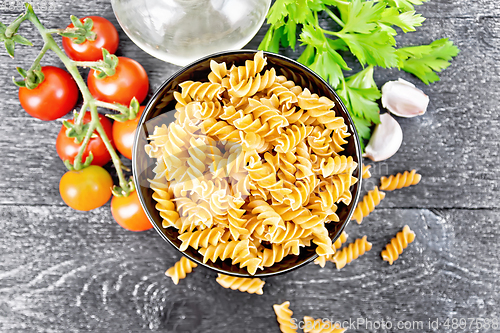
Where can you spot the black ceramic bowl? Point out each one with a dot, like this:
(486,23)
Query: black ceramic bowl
(162,103)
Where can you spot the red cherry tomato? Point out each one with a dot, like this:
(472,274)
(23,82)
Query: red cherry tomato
(128,212)
(106,37)
(124,133)
(129,80)
(86,189)
(53,98)
(67,149)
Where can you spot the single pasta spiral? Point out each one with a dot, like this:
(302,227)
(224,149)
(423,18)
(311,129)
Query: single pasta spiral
(321,326)
(398,244)
(396,182)
(365,207)
(225,250)
(336,165)
(321,260)
(251,286)
(291,137)
(284,317)
(219,71)
(201,90)
(323,240)
(351,252)
(366,171)
(180,269)
(200,238)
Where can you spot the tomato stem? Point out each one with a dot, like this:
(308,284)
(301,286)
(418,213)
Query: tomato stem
(83,110)
(88,100)
(53,31)
(77,163)
(44,50)
(114,156)
(112,106)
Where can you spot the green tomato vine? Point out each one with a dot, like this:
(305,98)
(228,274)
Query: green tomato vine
(82,133)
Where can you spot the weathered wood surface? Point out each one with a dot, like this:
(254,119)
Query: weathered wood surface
(64,271)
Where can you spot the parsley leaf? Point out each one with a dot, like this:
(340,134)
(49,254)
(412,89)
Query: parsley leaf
(359,94)
(363,127)
(423,61)
(367,30)
(375,49)
(278,12)
(405,5)
(324,60)
(363,35)
(407,21)
(361,17)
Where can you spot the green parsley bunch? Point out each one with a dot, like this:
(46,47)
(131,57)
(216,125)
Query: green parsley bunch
(367,31)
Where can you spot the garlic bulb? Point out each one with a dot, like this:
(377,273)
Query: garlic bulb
(385,140)
(403,99)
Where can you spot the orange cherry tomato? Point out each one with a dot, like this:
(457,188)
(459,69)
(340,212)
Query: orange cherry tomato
(124,133)
(128,213)
(53,98)
(129,80)
(106,37)
(86,189)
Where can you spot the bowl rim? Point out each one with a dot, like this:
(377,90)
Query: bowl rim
(148,109)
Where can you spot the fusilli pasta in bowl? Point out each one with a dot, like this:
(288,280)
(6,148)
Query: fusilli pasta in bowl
(247,163)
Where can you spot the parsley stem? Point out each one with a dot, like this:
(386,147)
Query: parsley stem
(334,17)
(328,32)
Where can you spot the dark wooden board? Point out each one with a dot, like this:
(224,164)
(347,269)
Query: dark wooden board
(66,271)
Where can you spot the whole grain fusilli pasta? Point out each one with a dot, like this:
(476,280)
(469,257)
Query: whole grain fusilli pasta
(284,317)
(251,286)
(398,244)
(368,204)
(351,252)
(180,269)
(252,169)
(396,182)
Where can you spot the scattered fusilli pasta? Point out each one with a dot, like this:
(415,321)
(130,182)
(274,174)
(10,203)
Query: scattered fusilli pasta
(396,182)
(180,269)
(368,204)
(366,171)
(351,252)
(321,260)
(284,317)
(251,286)
(398,244)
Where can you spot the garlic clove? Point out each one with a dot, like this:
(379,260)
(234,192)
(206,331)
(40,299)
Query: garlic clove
(386,139)
(403,99)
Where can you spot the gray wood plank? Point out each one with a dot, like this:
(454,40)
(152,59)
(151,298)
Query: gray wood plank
(63,271)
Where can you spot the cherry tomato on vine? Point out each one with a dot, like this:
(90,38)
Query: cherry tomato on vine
(86,189)
(53,98)
(128,212)
(124,133)
(106,37)
(67,149)
(129,80)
